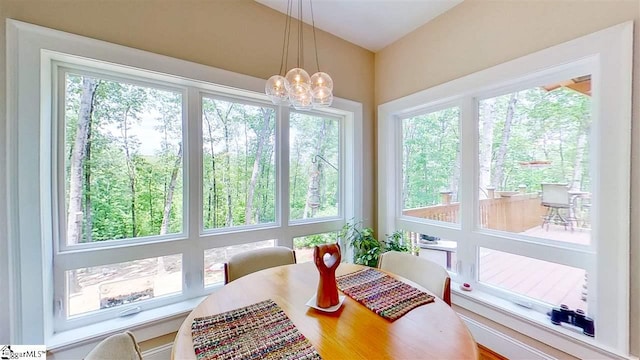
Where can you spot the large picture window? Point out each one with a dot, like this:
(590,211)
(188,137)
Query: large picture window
(519,175)
(140,175)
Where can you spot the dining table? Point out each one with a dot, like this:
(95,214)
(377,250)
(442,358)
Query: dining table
(429,331)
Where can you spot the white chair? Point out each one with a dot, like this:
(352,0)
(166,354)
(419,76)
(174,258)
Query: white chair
(121,346)
(255,260)
(557,199)
(423,272)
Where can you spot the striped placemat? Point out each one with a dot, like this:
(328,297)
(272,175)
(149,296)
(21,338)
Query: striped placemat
(258,331)
(381,293)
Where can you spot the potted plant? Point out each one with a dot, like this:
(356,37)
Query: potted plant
(366,248)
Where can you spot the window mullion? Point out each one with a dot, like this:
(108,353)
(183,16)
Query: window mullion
(283,201)
(193,255)
(466,251)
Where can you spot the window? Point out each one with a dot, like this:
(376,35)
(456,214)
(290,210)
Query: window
(431,164)
(238,146)
(148,174)
(314,161)
(510,174)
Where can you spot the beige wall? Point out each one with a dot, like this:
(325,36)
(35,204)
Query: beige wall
(237,35)
(478,34)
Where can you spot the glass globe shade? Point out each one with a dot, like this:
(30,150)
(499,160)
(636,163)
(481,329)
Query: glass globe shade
(321,79)
(321,96)
(300,97)
(297,76)
(276,89)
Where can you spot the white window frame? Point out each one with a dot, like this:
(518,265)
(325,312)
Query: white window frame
(607,55)
(32,52)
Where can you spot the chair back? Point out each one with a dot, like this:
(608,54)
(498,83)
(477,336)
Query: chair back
(423,272)
(251,261)
(121,346)
(555,195)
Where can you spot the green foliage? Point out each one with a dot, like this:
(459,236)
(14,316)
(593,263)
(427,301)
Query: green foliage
(366,248)
(135,144)
(310,241)
(395,242)
(546,125)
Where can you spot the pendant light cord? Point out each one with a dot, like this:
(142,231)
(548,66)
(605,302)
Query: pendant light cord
(284,60)
(315,44)
(300,36)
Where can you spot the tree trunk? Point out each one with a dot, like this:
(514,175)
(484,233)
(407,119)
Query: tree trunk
(213,213)
(172,186)
(502,150)
(406,147)
(263,136)
(78,157)
(131,172)
(454,180)
(226,179)
(74,215)
(313,189)
(486,144)
(88,225)
(581,147)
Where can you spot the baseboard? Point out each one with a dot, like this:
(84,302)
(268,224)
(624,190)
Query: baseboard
(501,343)
(158,353)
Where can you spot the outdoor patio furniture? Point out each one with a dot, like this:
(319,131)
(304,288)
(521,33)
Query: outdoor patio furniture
(557,199)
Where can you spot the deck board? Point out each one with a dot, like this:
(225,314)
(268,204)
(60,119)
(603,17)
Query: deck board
(552,283)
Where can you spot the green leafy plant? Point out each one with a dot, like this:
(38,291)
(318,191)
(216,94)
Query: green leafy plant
(397,242)
(366,248)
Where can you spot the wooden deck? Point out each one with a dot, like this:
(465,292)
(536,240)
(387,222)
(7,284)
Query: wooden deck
(549,282)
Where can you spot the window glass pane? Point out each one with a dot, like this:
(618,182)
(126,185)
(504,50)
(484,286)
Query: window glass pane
(441,251)
(314,160)
(545,281)
(123,160)
(304,245)
(107,286)
(214,259)
(534,161)
(431,165)
(238,154)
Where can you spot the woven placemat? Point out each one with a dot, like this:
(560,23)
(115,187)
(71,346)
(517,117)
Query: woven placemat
(381,293)
(258,331)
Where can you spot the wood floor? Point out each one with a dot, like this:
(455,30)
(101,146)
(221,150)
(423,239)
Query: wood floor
(488,354)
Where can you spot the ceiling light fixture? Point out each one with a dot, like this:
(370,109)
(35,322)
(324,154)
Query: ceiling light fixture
(297,88)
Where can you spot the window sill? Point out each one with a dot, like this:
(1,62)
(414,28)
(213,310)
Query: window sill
(531,323)
(146,325)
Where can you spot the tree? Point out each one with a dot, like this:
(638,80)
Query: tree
(169,198)
(315,173)
(487,115)
(263,137)
(498,175)
(78,155)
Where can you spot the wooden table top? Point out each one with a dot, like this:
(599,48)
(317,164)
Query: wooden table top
(431,331)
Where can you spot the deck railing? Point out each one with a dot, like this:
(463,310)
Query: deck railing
(515,213)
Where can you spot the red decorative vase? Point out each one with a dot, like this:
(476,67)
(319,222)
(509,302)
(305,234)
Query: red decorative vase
(327,258)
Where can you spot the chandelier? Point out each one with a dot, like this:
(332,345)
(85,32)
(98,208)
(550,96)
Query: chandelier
(297,88)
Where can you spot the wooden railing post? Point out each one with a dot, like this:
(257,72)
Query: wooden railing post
(445,197)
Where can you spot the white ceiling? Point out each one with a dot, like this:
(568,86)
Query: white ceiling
(372,24)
